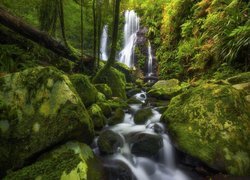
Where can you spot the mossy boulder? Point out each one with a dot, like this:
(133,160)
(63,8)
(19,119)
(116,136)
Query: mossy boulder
(39,108)
(105,89)
(70,161)
(109,142)
(97,116)
(117,117)
(115,80)
(84,88)
(142,115)
(211,122)
(165,89)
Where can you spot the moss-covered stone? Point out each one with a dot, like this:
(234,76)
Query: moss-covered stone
(105,89)
(165,89)
(70,161)
(211,122)
(109,142)
(39,108)
(84,88)
(142,115)
(117,117)
(97,116)
(115,80)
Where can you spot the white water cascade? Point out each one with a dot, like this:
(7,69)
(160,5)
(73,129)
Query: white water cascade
(104,42)
(150,59)
(131,27)
(142,167)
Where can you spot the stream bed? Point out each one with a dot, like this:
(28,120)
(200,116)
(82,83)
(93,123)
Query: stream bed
(140,152)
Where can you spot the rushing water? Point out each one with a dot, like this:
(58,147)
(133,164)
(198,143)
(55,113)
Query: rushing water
(131,27)
(104,43)
(142,167)
(150,59)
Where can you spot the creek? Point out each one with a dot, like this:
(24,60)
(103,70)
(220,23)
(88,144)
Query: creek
(144,152)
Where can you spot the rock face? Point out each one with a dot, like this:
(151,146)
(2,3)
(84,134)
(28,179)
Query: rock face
(84,88)
(39,108)
(70,161)
(212,122)
(165,89)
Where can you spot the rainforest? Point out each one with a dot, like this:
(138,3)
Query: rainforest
(124,89)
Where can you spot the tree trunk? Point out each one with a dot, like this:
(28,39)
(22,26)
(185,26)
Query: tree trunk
(40,37)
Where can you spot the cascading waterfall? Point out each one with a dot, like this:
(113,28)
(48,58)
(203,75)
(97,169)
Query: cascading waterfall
(131,27)
(150,59)
(142,167)
(104,42)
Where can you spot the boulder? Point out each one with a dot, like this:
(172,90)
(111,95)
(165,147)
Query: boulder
(115,80)
(146,144)
(104,89)
(117,117)
(73,160)
(84,88)
(142,115)
(211,122)
(97,116)
(125,70)
(39,108)
(109,142)
(165,89)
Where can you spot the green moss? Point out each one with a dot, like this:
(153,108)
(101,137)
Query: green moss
(209,118)
(105,89)
(142,116)
(42,108)
(117,117)
(68,161)
(96,114)
(240,78)
(115,80)
(84,88)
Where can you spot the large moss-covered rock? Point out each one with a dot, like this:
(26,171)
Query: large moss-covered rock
(125,70)
(165,89)
(212,123)
(97,116)
(115,80)
(84,88)
(39,108)
(117,117)
(70,161)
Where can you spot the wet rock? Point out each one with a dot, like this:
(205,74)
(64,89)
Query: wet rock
(39,108)
(165,89)
(133,100)
(146,144)
(97,116)
(109,142)
(84,88)
(70,161)
(210,122)
(142,115)
(132,92)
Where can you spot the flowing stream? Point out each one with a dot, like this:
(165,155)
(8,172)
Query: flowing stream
(104,43)
(131,27)
(159,166)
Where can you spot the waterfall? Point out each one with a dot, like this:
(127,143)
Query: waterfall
(131,27)
(150,60)
(104,42)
